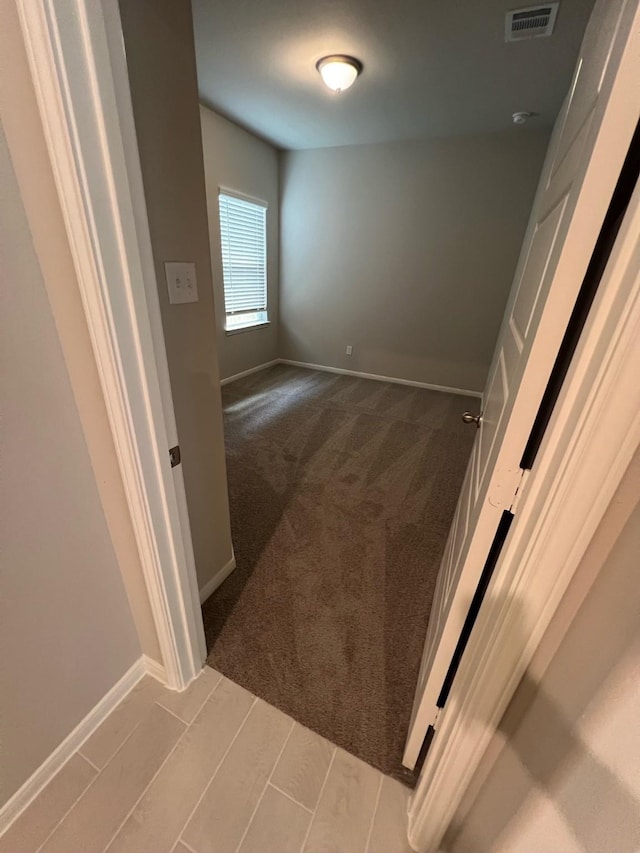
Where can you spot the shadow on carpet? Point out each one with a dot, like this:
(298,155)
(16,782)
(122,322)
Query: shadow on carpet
(341,491)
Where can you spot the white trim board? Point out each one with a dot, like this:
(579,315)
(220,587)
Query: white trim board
(379,378)
(430,386)
(81,82)
(155,670)
(248,372)
(221,575)
(41,777)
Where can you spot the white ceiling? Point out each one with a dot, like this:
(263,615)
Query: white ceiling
(430,68)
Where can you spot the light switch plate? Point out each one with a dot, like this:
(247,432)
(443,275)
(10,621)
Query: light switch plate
(181,281)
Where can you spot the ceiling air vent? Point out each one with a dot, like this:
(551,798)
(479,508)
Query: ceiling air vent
(533,22)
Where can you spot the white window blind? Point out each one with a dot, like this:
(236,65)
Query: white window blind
(244,260)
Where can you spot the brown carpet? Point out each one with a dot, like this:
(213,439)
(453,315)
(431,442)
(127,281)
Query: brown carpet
(342,491)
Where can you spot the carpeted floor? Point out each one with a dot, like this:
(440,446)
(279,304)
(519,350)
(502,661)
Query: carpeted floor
(342,491)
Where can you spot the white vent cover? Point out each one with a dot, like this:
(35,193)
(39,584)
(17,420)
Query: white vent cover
(533,22)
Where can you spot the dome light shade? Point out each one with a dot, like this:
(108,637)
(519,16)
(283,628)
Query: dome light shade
(339,72)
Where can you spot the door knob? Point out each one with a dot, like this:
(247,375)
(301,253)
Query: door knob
(469,418)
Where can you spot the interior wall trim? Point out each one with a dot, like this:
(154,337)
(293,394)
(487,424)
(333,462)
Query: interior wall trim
(155,669)
(41,777)
(80,77)
(465,392)
(248,372)
(221,575)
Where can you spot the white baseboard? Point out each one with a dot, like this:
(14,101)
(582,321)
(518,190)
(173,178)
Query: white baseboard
(155,669)
(14,807)
(211,586)
(430,386)
(411,382)
(249,371)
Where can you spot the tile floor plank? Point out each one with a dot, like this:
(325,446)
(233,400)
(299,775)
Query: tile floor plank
(389,832)
(278,826)
(343,818)
(187,704)
(40,818)
(222,816)
(92,822)
(303,765)
(161,814)
(113,732)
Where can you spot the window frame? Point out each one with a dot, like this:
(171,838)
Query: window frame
(259,323)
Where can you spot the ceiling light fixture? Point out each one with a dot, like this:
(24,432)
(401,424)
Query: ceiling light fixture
(339,72)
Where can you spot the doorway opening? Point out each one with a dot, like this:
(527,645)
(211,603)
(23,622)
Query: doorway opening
(389,257)
(331,458)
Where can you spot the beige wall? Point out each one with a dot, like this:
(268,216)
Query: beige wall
(158,38)
(22,125)
(405,251)
(562,771)
(240,161)
(66,630)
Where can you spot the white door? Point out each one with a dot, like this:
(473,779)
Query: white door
(589,142)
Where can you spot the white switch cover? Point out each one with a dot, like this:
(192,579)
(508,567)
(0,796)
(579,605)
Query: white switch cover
(181,281)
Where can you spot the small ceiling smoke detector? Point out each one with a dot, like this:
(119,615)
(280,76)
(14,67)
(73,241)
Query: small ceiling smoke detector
(533,22)
(521,118)
(339,72)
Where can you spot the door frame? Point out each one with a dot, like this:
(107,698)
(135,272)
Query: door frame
(78,65)
(77,62)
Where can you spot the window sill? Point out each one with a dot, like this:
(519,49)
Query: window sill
(248,328)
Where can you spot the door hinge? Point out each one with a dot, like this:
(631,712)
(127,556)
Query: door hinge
(518,495)
(505,482)
(174,455)
(434,724)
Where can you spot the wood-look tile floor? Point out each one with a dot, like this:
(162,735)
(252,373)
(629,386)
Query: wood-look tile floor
(210,770)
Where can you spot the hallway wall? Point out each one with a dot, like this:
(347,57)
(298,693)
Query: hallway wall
(25,137)
(158,37)
(66,630)
(238,160)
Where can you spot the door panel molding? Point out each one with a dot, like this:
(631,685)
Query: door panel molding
(523,312)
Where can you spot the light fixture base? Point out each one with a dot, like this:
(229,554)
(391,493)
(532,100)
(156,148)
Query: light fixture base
(339,71)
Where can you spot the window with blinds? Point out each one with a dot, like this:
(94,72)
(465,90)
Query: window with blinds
(244,261)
